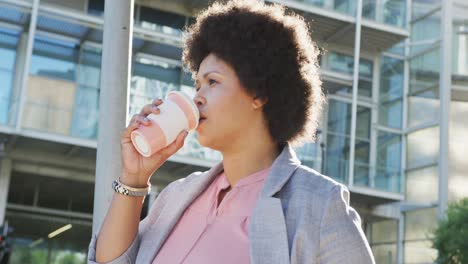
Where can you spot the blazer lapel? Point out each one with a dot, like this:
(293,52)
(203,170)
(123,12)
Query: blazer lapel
(268,238)
(180,200)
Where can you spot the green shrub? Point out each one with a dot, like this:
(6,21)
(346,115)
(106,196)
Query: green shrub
(451,235)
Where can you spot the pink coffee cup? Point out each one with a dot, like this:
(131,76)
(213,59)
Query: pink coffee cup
(178,112)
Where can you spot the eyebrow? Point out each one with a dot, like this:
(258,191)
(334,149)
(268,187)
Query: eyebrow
(206,73)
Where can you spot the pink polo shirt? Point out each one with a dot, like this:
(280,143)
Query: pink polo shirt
(209,234)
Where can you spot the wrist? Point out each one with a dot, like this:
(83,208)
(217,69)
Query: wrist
(134,181)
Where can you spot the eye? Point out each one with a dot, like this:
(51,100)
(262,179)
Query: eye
(211,81)
(197,88)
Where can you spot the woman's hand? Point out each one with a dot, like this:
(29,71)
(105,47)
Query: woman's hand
(136,169)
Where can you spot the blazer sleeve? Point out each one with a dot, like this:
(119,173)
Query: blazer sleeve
(129,256)
(341,237)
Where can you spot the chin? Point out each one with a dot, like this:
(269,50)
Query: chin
(204,141)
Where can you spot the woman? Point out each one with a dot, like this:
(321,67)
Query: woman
(259,94)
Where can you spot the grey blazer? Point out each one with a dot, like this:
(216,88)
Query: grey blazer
(300,217)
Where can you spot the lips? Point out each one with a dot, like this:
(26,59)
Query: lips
(202,118)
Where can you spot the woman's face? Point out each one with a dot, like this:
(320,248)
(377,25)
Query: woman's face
(226,109)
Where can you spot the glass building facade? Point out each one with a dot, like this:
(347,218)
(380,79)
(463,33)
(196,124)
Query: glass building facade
(381,132)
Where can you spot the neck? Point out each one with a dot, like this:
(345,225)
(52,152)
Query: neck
(242,160)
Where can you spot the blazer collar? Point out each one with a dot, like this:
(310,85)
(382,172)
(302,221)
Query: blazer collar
(281,170)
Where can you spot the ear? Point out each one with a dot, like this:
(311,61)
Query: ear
(259,102)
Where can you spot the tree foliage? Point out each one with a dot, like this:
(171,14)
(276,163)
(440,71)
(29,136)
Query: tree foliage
(451,235)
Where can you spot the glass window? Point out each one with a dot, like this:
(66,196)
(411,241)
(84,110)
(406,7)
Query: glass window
(96,7)
(423,108)
(422,7)
(363,122)
(331,87)
(460,43)
(389,150)
(313,2)
(394,12)
(337,157)
(8,43)
(339,117)
(422,185)
(64,78)
(398,49)
(384,231)
(343,63)
(424,88)
(421,38)
(458,144)
(419,252)
(383,237)
(86,104)
(161,21)
(368,9)
(423,147)
(345,6)
(361,163)
(151,79)
(418,225)
(424,71)
(54,59)
(337,148)
(157,49)
(5,95)
(338,137)
(391,92)
(362,146)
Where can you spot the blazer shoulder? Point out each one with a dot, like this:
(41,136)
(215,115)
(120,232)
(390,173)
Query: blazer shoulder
(312,181)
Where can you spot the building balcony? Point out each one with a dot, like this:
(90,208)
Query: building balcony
(335,23)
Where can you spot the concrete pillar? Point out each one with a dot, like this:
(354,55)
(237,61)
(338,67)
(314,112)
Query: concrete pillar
(5,174)
(444,112)
(26,63)
(113,101)
(17,81)
(357,55)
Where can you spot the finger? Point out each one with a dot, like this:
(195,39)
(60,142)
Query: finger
(157,101)
(128,130)
(140,119)
(176,145)
(135,122)
(132,120)
(149,109)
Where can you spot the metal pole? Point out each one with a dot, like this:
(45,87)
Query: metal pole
(445,90)
(402,186)
(113,101)
(27,62)
(357,49)
(5,176)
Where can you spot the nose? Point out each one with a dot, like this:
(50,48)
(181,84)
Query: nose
(198,100)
